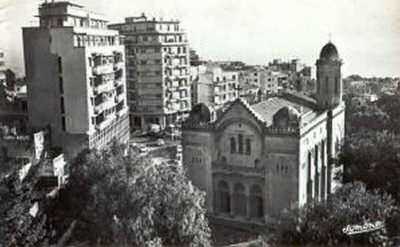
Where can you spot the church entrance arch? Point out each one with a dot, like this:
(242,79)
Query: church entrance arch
(223,198)
(239,200)
(256,202)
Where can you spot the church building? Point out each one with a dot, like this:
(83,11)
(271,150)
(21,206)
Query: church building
(253,161)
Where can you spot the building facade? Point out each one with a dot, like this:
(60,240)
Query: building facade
(265,79)
(76,74)
(157,71)
(254,161)
(214,86)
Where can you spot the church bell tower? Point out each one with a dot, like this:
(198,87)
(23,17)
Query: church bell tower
(329,78)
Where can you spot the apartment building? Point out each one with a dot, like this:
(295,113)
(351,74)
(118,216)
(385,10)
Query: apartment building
(157,70)
(214,86)
(76,74)
(263,78)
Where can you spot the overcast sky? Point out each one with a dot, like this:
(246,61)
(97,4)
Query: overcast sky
(366,32)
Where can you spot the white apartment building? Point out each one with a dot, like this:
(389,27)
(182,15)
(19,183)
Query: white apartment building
(157,70)
(76,74)
(214,86)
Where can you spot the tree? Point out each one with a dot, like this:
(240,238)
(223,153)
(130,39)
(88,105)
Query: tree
(373,158)
(17,226)
(131,200)
(322,223)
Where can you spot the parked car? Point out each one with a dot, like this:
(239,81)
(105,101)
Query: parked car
(160,142)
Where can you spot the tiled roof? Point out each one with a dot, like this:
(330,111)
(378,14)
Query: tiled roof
(267,109)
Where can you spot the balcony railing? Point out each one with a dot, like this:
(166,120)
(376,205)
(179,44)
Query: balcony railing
(104,87)
(119,65)
(104,105)
(107,120)
(122,111)
(103,69)
(119,98)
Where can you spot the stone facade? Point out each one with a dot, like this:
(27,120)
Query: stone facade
(254,161)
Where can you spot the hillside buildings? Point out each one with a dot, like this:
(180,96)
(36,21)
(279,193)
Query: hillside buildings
(157,70)
(76,74)
(214,86)
(253,161)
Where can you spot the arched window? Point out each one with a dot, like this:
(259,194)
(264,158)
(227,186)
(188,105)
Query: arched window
(223,198)
(336,85)
(257,205)
(239,200)
(256,163)
(327,84)
(240,138)
(248,146)
(233,145)
(309,181)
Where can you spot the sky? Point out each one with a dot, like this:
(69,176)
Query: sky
(366,32)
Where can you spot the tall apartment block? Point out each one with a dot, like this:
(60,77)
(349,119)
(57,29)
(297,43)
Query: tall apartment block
(76,73)
(157,71)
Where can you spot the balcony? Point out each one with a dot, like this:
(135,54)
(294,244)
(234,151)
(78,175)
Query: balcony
(118,82)
(118,74)
(103,87)
(106,121)
(106,104)
(122,111)
(118,65)
(119,98)
(103,69)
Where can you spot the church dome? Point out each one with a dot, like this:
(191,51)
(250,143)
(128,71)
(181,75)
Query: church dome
(201,113)
(329,52)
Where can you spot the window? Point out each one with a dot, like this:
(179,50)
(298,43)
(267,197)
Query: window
(337,85)
(326,84)
(59,65)
(61,85)
(63,124)
(233,145)
(62,105)
(240,140)
(248,146)
(60,22)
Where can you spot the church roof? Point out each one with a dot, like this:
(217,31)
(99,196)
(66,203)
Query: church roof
(268,108)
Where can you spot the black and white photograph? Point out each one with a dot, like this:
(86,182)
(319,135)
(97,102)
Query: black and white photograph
(199,123)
